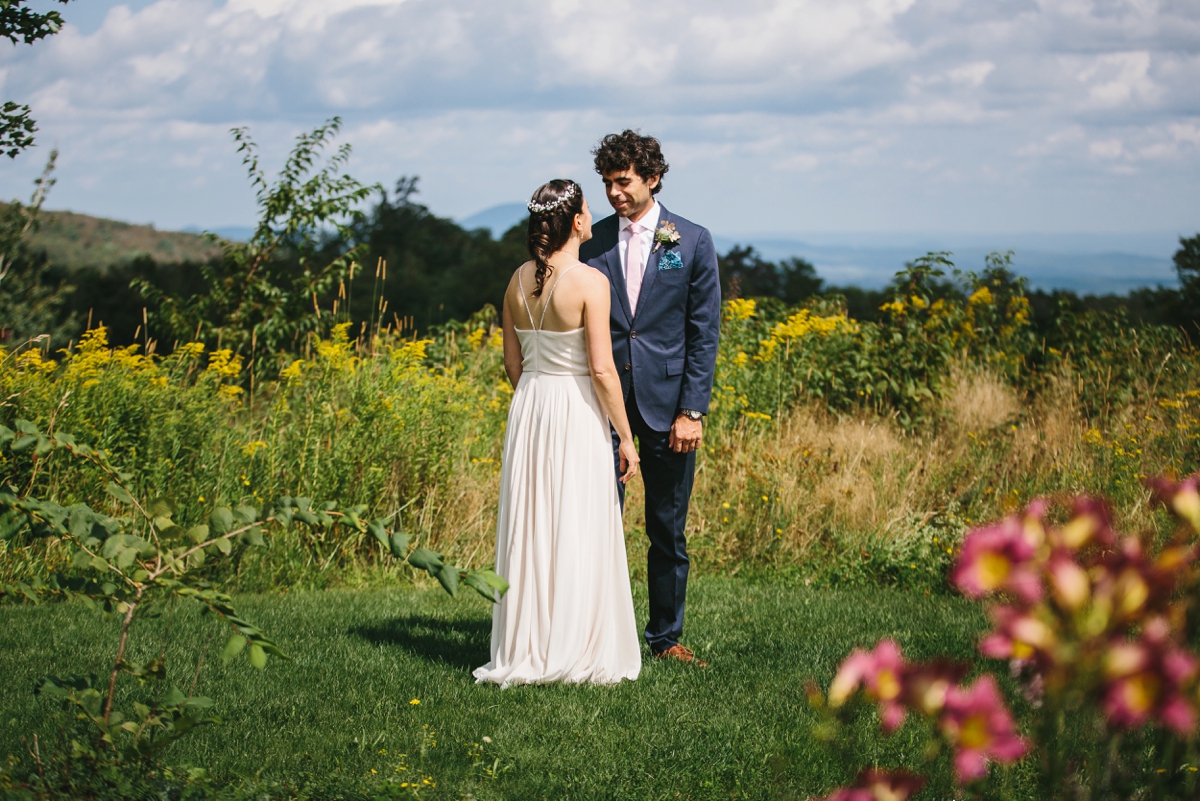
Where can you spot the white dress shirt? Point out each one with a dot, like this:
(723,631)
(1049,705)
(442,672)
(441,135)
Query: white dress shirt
(649,223)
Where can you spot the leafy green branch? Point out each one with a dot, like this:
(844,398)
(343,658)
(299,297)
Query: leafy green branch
(140,557)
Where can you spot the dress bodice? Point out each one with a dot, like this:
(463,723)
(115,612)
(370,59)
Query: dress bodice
(553,352)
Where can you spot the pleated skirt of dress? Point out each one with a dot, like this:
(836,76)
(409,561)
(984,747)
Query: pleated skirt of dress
(568,614)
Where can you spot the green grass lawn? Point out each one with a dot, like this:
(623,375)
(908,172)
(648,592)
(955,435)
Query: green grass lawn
(338,719)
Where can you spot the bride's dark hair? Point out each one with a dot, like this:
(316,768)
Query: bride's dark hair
(552,213)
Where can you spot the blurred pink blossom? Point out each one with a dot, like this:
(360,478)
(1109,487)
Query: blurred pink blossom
(980,726)
(999,558)
(880,785)
(1146,679)
(880,673)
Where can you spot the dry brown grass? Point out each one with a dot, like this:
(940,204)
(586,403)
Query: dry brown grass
(977,400)
(789,493)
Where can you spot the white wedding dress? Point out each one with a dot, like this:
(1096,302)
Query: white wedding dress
(568,614)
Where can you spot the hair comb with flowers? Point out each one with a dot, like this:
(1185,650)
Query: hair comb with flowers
(542,208)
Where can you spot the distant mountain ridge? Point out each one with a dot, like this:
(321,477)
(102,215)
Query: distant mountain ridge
(1094,264)
(74,240)
(1085,263)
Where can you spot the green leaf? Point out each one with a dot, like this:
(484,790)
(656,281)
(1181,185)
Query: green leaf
(161,507)
(125,557)
(398,544)
(258,657)
(254,537)
(6,435)
(224,546)
(64,439)
(221,521)
(26,427)
(233,647)
(80,522)
(80,559)
(425,559)
(493,580)
(379,532)
(196,559)
(245,514)
(24,443)
(98,563)
(44,446)
(11,522)
(480,586)
(448,576)
(284,516)
(198,534)
(119,492)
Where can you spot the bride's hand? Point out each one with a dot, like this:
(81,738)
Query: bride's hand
(629,460)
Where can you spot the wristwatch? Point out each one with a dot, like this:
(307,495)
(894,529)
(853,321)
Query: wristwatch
(692,414)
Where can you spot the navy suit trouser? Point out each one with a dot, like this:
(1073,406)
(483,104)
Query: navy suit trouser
(667,477)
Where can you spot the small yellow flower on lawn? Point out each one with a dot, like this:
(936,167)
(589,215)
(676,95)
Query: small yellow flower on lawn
(414,702)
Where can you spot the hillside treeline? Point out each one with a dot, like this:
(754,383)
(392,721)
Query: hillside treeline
(437,272)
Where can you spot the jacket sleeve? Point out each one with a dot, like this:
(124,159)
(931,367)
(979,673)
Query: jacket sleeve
(702,327)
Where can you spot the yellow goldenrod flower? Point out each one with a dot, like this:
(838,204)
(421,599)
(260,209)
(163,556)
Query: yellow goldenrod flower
(981,297)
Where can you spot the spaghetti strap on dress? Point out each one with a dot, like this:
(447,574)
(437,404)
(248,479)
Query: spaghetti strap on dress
(568,614)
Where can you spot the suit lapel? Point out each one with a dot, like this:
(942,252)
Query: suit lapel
(612,260)
(651,274)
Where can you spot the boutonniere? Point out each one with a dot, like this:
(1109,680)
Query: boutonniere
(665,235)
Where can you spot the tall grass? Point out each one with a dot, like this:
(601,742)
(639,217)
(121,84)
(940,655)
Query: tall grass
(837,451)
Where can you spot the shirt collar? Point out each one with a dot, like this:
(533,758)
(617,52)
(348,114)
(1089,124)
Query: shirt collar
(649,222)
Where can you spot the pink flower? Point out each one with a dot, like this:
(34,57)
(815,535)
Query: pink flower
(980,727)
(1069,582)
(1181,497)
(880,673)
(880,785)
(1146,679)
(1019,636)
(926,686)
(1129,586)
(1091,521)
(1000,558)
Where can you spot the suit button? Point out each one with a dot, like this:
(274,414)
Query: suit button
(628,367)
(633,334)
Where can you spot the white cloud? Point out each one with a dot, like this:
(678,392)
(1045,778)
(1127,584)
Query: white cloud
(769,102)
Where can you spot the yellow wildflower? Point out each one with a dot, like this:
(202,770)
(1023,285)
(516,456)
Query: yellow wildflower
(981,297)
(740,308)
(251,448)
(293,370)
(225,363)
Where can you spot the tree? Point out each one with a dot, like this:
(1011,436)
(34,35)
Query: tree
(1187,264)
(263,297)
(31,298)
(18,23)
(746,274)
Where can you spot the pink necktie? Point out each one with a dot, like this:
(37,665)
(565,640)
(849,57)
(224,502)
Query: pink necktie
(633,265)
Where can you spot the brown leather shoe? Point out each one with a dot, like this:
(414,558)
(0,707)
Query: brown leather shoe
(683,654)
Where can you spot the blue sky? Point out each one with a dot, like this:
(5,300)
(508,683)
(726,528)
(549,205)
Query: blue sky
(778,116)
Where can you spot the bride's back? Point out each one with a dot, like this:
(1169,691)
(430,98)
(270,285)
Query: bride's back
(559,308)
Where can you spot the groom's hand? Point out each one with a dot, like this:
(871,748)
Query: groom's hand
(686,434)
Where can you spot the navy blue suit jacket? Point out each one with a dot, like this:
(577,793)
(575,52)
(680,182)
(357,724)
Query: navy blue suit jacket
(667,347)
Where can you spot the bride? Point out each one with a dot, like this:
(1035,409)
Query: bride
(568,615)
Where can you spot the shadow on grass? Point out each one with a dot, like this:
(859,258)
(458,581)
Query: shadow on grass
(461,644)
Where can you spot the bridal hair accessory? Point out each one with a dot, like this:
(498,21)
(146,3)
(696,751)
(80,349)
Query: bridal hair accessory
(542,208)
(665,235)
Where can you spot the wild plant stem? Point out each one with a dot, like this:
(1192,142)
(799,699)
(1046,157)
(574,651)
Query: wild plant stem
(112,679)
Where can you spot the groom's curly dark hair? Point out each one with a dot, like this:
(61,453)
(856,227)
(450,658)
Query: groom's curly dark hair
(629,149)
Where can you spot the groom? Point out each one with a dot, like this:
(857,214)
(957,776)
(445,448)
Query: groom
(666,310)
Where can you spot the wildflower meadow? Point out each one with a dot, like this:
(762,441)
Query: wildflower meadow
(938,553)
